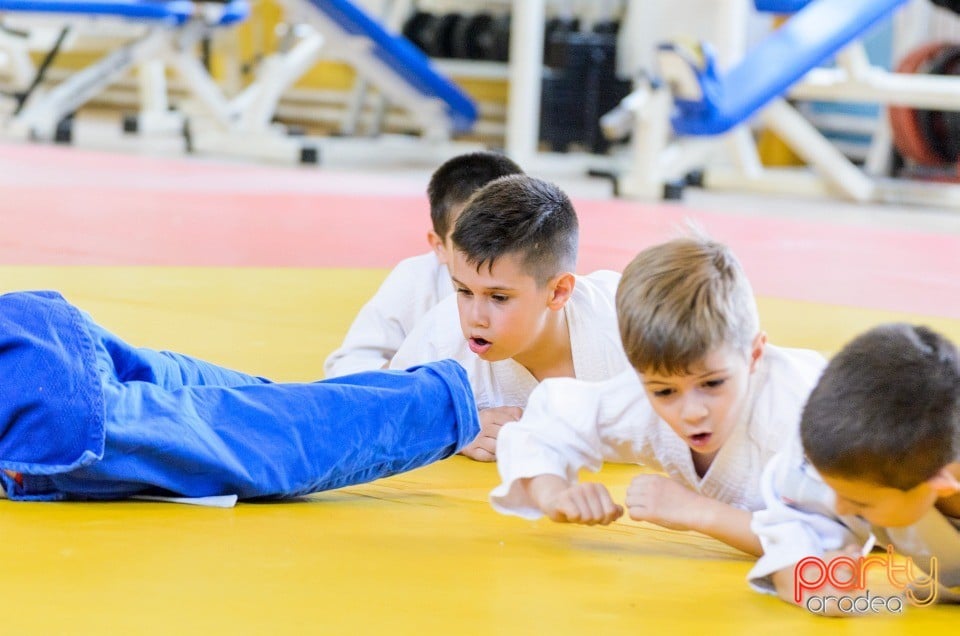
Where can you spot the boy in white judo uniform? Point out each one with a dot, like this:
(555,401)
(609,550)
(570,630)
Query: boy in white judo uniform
(877,462)
(707,402)
(519,315)
(418,283)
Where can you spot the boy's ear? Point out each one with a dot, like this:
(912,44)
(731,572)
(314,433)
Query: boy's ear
(756,350)
(944,482)
(438,247)
(561,289)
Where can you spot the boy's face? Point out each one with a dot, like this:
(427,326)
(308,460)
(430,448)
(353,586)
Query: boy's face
(881,505)
(502,310)
(703,406)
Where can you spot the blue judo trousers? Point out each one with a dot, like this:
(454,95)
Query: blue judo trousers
(84,415)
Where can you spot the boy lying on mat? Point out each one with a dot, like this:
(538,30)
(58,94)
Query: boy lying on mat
(707,401)
(84,415)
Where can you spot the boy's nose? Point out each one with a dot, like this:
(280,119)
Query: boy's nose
(478,317)
(693,411)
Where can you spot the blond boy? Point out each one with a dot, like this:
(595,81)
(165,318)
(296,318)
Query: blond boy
(707,402)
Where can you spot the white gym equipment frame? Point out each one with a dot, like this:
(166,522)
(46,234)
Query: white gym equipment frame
(316,35)
(731,162)
(152,44)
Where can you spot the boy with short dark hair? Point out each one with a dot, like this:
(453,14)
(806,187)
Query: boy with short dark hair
(418,283)
(520,315)
(878,455)
(84,415)
(707,402)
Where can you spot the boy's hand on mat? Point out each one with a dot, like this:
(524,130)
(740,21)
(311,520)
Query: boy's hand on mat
(587,503)
(484,448)
(662,501)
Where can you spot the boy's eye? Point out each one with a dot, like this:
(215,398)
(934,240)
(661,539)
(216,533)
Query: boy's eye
(500,298)
(463,292)
(712,384)
(661,393)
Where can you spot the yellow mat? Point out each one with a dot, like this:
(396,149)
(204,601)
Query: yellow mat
(420,553)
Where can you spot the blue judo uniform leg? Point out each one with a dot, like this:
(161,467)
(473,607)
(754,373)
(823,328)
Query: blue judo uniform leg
(271,440)
(164,368)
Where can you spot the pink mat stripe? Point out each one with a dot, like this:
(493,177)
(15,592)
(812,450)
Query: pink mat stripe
(81,208)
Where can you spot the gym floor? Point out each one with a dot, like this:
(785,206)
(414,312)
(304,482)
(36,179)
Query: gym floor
(262,269)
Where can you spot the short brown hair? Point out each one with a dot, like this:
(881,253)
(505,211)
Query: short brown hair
(681,299)
(886,410)
(458,178)
(522,216)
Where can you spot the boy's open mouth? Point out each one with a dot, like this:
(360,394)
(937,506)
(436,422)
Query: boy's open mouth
(700,439)
(479,346)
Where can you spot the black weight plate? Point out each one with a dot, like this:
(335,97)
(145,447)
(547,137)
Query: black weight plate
(469,34)
(439,39)
(416,26)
